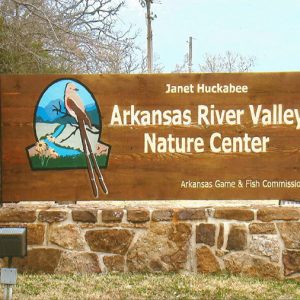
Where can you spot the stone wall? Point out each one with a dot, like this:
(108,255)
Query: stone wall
(260,241)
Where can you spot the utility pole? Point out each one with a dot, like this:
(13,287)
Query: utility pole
(149,37)
(149,18)
(190,54)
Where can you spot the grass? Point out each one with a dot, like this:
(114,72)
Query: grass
(78,161)
(153,286)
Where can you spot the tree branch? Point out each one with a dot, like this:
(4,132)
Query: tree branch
(59,110)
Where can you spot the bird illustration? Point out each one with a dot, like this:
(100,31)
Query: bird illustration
(75,107)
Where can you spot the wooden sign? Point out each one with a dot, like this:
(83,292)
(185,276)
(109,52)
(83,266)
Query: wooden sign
(150,137)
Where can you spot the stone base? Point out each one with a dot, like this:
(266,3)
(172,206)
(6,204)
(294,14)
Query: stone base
(261,241)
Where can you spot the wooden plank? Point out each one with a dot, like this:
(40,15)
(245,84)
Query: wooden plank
(133,174)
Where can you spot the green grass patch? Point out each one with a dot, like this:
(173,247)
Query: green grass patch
(153,286)
(76,162)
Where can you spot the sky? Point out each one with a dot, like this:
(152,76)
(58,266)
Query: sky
(57,91)
(268,30)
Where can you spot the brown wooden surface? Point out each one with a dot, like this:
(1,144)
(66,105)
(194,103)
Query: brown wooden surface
(134,175)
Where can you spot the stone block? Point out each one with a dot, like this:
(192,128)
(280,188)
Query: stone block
(206,234)
(265,245)
(138,215)
(221,253)
(109,240)
(237,238)
(85,215)
(190,214)
(35,234)
(22,215)
(162,215)
(290,233)
(262,228)
(244,263)
(268,214)
(39,260)
(291,261)
(78,262)
(66,236)
(112,215)
(162,248)
(230,213)
(115,263)
(206,261)
(179,233)
(51,216)
(35,231)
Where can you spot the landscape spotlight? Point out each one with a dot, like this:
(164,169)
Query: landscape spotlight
(13,243)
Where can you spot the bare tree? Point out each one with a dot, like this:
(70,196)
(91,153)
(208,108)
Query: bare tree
(184,67)
(229,62)
(77,36)
(156,68)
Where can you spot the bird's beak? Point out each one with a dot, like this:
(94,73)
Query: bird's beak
(76,89)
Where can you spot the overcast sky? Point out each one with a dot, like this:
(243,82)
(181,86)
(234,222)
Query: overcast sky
(266,29)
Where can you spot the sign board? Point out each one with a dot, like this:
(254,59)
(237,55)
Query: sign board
(150,137)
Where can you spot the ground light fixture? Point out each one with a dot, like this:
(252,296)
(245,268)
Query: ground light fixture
(13,243)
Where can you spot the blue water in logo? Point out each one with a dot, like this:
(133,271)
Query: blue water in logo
(62,151)
(59,130)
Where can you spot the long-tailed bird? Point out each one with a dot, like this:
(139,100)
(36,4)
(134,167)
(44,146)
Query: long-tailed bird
(75,107)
